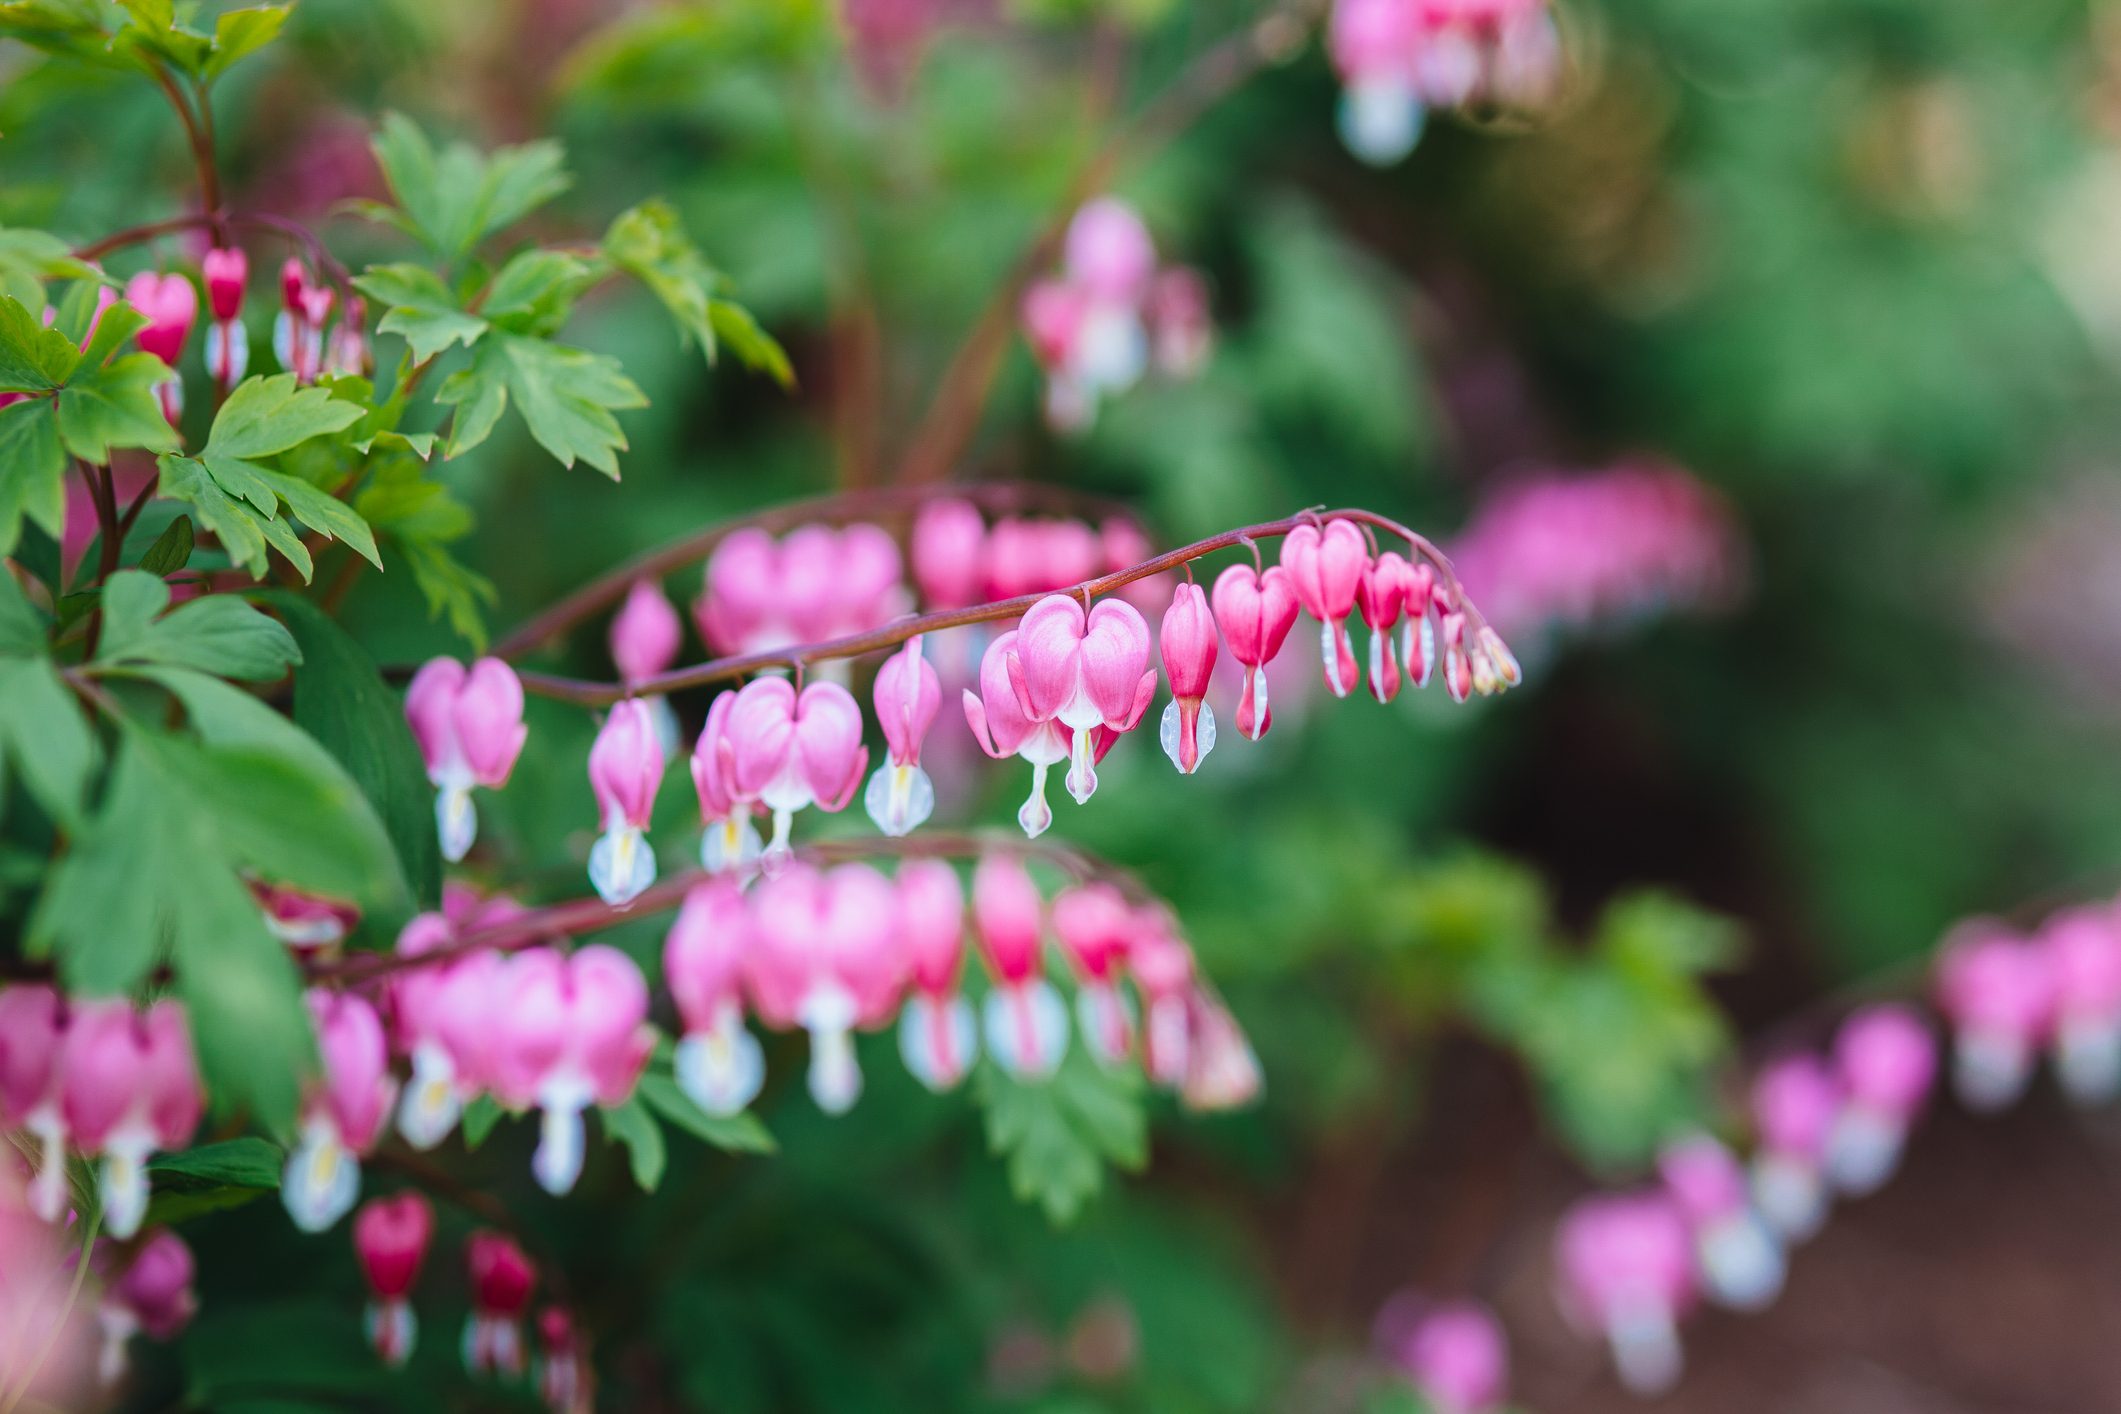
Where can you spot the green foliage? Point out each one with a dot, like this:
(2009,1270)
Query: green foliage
(737,1134)
(1058,1136)
(564,395)
(631,1125)
(649,243)
(145,35)
(219,634)
(452,199)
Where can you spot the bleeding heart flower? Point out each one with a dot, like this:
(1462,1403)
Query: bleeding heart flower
(949,541)
(825,956)
(2084,953)
(719,1063)
(390,1241)
(1188,643)
(1999,991)
(170,304)
(1094,924)
(343,1113)
(469,724)
(1325,570)
(502,1279)
(1382,599)
(127,1087)
(1256,612)
(908,694)
(1084,671)
(1626,1271)
(1741,1261)
(1003,728)
(1163,969)
(1795,1101)
(625,771)
(786,750)
(569,1031)
(1026,1022)
(936,1035)
(152,1296)
(730,840)
(32,1034)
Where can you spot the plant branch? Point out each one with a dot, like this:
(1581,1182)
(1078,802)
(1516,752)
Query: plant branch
(198,130)
(610,587)
(295,232)
(599,694)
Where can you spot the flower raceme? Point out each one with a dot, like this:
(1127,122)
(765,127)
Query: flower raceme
(625,771)
(469,725)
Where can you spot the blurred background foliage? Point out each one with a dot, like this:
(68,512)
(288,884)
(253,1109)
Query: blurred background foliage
(1851,261)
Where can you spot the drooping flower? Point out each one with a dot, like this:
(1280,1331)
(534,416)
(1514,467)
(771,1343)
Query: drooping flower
(343,1113)
(1454,1353)
(390,1241)
(1626,1272)
(226,271)
(1998,989)
(1795,1101)
(1026,1022)
(347,354)
(1740,1260)
(562,1374)
(646,638)
(948,548)
(1094,924)
(719,1062)
(298,330)
(937,1037)
(571,1030)
(1040,556)
(1886,1059)
(824,956)
(1372,44)
(127,1087)
(2084,953)
(625,771)
(308,923)
(1399,58)
(1181,334)
(1325,569)
(32,1033)
(1382,598)
(1417,629)
(1222,1070)
(469,724)
(814,584)
(170,304)
(1163,969)
(786,750)
(1255,612)
(729,841)
(502,1279)
(1003,728)
(1089,672)
(908,694)
(151,1296)
(441,1016)
(1187,644)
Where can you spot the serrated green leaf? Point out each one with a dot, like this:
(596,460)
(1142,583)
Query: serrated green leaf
(267,415)
(218,634)
(535,292)
(565,395)
(649,243)
(238,34)
(742,336)
(1058,1136)
(418,307)
(114,405)
(738,1134)
(452,590)
(33,358)
(32,472)
(171,551)
(28,258)
(230,521)
(455,197)
(631,1124)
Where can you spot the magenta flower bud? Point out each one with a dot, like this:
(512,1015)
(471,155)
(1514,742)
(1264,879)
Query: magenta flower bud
(1188,642)
(469,724)
(226,271)
(1325,570)
(787,750)
(719,1063)
(949,542)
(1163,969)
(1740,1260)
(1381,598)
(32,1034)
(824,956)
(343,1113)
(169,303)
(1222,1070)
(1625,1271)
(348,355)
(153,1296)
(1999,991)
(1003,727)
(1456,1357)
(1108,251)
(625,771)
(1094,925)
(2084,953)
(127,1087)
(937,1037)
(1256,612)
(730,841)
(1085,672)
(502,1279)
(390,1242)
(1026,1022)
(1887,1061)
(1795,1103)
(1417,631)
(569,1031)
(908,694)
(646,634)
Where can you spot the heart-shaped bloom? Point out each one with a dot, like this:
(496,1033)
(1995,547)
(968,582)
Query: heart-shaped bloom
(1255,612)
(908,695)
(1040,556)
(1886,1058)
(569,1031)
(390,1242)
(739,609)
(625,771)
(936,1034)
(559,1368)
(1084,671)
(815,584)
(1795,1102)
(127,1087)
(824,956)
(1325,570)
(948,547)
(469,724)
(152,1296)
(32,1032)
(1094,924)
(502,1279)
(1454,1355)
(1417,629)
(2084,953)
(310,924)
(1626,1271)
(1222,1070)
(226,271)
(1108,252)
(1181,332)
(343,1113)
(170,304)
(1998,989)
(1741,1262)
(298,330)
(729,841)
(1026,1021)
(442,1018)
(786,750)
(719,1063)
(1187,642)
(646,634)
(1002,727)
(1162,964)
(1382,599)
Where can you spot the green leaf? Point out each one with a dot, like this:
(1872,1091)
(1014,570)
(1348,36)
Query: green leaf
(418,307)
(249,1162)
(742,336)
(32,472)
(33,358)
(45,738)
(114,405)
(631,1124)
(650,244)
(454,198)
(21,626)
(268,415)
(219,634)
(171,551)
(109,901)
(565,395)
(29,258)
(535,291)
(480,1116)
(238,34)
(738,1134)
(342,701)
(452,589)
(1059,1135)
